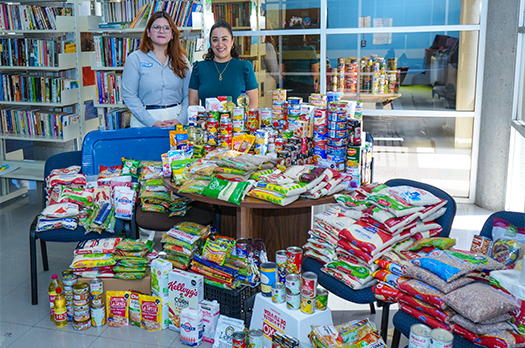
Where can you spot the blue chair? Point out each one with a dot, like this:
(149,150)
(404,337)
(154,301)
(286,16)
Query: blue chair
(403,321)
(62,160)
(366,295)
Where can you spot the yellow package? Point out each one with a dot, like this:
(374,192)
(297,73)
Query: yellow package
(151,312)
(117,307)
(243,143)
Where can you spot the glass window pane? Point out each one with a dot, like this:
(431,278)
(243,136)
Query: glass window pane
(434,150)
(345,13)
(284,14)
(427,76)
(516,196)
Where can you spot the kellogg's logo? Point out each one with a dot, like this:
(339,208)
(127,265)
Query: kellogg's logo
(181,287)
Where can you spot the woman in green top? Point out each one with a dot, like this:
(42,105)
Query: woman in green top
(222,73)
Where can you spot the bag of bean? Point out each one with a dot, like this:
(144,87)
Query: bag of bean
(432,279)
(443,316)
(427,319)
(481,329)
(424,292)
(500,339)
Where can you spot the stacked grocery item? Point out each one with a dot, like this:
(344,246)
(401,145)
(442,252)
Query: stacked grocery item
(131,257)
(357,333)
(93,258)
(182,241)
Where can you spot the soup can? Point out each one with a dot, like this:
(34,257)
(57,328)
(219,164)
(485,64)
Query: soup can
(280,259)
(440,338)
(293,301)
(98,316)
(321,299)
(82,325)
(265,115)
(278,293)
(419,336)
(239,339)
(268,277)
(256,338)
(308,285)
(252,121)
(293,284)
(240,247)
(307,305)
(294,260)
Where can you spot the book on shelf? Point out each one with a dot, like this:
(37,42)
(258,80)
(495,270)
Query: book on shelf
(116,118)
(34,122)
(181,12)
(27,88)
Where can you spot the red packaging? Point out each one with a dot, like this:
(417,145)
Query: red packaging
(360,254)
(294,260)
(440,315)
(494,340)
(426,319)
(423,291)
(385,292)
(253,119)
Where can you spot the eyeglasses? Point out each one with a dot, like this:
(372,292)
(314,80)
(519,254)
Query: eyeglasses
(158,28)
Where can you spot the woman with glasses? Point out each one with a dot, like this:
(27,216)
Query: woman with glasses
(156,76)
(222,73)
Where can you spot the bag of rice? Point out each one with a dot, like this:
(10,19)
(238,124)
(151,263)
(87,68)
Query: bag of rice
(423,292)
(413,195)
(500,339)
(443,316)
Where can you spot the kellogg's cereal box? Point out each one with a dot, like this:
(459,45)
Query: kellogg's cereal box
(185,289)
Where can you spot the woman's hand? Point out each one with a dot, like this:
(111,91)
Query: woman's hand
(163,124)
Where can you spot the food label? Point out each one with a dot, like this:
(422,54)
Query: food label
(184,290)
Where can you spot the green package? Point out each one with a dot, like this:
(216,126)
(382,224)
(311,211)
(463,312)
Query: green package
(225,190)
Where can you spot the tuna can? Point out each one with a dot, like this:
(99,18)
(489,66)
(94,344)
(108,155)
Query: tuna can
(81,325)
(80,293)
(82,315)
(69,278)
(98,316)
(419,336)
(96,289)
(256,338)
(278,293)
(239,339)
(293,301)
(295,100)
(440,338)
(321,299)
(294,260)
(240,247)
(293,284)
(280,259)
(307,305)
(268,277)
(309,285)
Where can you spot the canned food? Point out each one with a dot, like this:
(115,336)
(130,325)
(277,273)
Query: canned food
(98,316)
(69,278)
(309,285)
(240,247)
(83,315)
(265,115)
(81,292)
(81,325)
(295,100)
(293,301)
(321,299)
(307,305)
(419,336)
(440,338)
(294,259)
(278,293)
(239,339)
(337,142)
(280,259)
(252,121)
(293,284)
(256,338)
(268,277)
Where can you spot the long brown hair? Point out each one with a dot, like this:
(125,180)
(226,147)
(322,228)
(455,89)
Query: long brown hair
(222,24)
(175,51)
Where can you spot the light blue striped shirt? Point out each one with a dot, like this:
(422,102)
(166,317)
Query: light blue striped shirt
(146,82)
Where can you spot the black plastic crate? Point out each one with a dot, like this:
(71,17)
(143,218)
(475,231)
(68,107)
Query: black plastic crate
(233,303)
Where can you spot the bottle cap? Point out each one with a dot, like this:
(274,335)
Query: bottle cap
(59,290)
(54,276)
(243,91)
(229,98)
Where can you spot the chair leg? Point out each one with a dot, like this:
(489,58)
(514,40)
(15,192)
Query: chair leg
(396,338)
(43,247)
(384,320)
(372,308)
(32,257)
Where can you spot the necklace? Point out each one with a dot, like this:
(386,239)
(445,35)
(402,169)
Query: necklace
(223,70)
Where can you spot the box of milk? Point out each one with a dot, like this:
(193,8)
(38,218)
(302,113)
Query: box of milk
(159,277)
(210,316)
(185,289)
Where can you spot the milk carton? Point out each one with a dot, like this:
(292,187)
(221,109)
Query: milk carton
(159,277)
(191,326)
(210,315)
(184,290)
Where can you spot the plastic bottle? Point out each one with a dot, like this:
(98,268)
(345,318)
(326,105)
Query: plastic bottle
(229,105)
(244,101)
(52,291)
(60,309)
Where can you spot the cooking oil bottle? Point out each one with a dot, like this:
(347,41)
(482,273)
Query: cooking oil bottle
(52,291)
(244,101)
(60,309)
(229,105)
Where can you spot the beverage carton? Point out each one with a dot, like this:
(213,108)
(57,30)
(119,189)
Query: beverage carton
(159,276)
(185,289)
(210,315)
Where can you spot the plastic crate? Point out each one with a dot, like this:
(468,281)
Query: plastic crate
(233,303)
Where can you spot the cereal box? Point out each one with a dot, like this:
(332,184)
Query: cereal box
(184,290)
(117,304)
(151,309)
(159,277)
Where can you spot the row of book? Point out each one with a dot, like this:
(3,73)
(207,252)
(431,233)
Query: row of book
(33,52)
(244,44)
(36,89)
(112,51)
(34,122)
(181,12)
(29,17)
(109,87)
(237,14)
(123,11)
(115,118)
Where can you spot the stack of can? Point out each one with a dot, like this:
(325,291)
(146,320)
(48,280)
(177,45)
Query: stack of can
(392,75)
(98,311)
(68,280)
(341,74)
(81,307)
(294,260)
(226,129)
(320,129)
(422,336)
(337,134)
(284,341)
(351,75)
(308,292)
(238,116)
(212,128)
(279,119)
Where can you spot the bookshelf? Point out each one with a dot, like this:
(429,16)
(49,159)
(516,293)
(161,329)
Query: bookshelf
(240,14)
(41,99)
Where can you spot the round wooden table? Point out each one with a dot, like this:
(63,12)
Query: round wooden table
(279,227)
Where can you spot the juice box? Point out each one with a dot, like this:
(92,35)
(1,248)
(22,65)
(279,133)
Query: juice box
(159,277)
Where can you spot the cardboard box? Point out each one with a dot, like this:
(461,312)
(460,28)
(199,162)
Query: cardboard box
(185,290)
(112,284)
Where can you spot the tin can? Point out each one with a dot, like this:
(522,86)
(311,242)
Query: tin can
(308,285)
(240,247)
(81,292)
(81,325)
(294,260)
(293,301)
(96,290)
(280,259)
(256,338)
(293,284)
(419,336)
(265,115)
(82,315)
(321,299)
(441,338)
(279,94)
(278,293)
(238,113)
(239,339)
(268,277)
(252,121)
(69,278)
(98,316)
(295,100)
(307,305)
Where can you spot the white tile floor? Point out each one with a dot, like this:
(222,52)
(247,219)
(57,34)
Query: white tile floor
(24,325)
